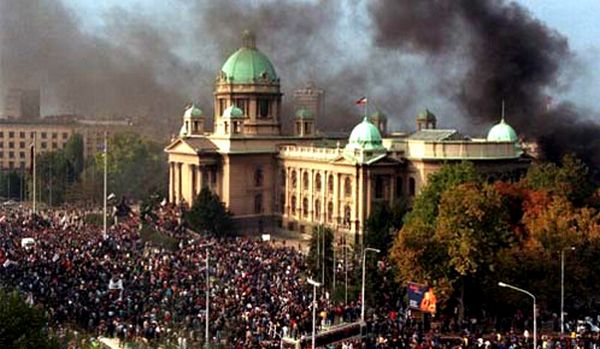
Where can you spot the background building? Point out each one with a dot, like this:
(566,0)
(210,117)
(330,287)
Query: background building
(21,104)
(50,133)
(270,180)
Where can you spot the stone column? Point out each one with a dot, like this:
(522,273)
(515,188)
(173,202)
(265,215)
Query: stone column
(171,182)
(179,182)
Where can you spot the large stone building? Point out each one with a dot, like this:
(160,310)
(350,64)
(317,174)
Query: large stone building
(51,134)
(269,180)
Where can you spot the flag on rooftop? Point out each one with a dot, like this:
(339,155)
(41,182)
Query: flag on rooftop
(362,101)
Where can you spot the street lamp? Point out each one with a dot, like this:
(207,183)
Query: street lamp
(207,334)
(315,284)
(346,247)
(562,287)
(362,305)
(502,284)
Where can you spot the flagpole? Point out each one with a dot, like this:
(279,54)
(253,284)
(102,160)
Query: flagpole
(366,106)
(34,170)
(105,177)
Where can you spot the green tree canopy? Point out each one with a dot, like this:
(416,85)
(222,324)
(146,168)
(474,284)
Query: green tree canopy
(22,327)
(321,252)
(209,215)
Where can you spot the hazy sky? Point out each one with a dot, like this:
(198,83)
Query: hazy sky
(577,20)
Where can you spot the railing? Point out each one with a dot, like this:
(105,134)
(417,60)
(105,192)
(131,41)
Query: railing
(310,152)
(462,150)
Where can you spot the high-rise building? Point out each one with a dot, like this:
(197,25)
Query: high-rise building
(21,104)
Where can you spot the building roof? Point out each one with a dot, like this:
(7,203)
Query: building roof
(435,135)
(248,65)
(365,136)
(502,132)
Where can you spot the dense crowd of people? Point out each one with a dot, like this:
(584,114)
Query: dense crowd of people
(119,285)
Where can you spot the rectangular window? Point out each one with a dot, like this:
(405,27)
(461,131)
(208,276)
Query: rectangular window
(1,134)
(11,145)
(11,154)
(263,108)
(22,164)
(22,134)
(11,134)
(54,135)
(54,145)
(1,154)
(11,164)
(22,144)
(44,145)
(65,135)
(1,144)
(44,135)
(22,154)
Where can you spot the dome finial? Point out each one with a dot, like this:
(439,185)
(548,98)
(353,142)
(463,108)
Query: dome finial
(248,39)
(502,119)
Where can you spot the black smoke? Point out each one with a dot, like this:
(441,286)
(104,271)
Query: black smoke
(510,56)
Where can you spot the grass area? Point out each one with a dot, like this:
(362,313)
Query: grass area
(158,239)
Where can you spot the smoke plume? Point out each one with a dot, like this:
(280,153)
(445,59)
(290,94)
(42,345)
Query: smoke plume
(511,57)
(459,58)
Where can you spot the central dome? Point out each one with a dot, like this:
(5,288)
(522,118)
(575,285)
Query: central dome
(248,65)
(365,136)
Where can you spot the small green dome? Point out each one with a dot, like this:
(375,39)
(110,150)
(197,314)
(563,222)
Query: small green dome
(304,113)
(248,65)
(426,114)
(233,112)
(502,132)
(365,136)
(192,112)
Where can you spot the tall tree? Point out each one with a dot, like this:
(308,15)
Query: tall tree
(320,254)
(209,215)
(23,326)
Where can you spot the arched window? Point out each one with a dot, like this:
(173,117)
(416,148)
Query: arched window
(293,205)
(347,213)
(283,179)
(282,202)
(258,177)
(330,184)
(305,180)
(411,186)
(305,207)
(258,203)
(399,186)
(263,108)
(330,212)
(318,210)
(318,183)
(294,179)
(347,187)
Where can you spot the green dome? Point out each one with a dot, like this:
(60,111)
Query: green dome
(304,113)
(365,136)
(425,114)
(502,132)
(233,112)
(248,65)
(192,112)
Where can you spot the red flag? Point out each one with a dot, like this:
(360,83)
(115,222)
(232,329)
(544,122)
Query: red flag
(362,101)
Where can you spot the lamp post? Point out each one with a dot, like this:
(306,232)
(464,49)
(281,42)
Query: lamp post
(502,284)
(562,288)
(346,247)
(315,284)
(362,305)
(206,333)
(105,190)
